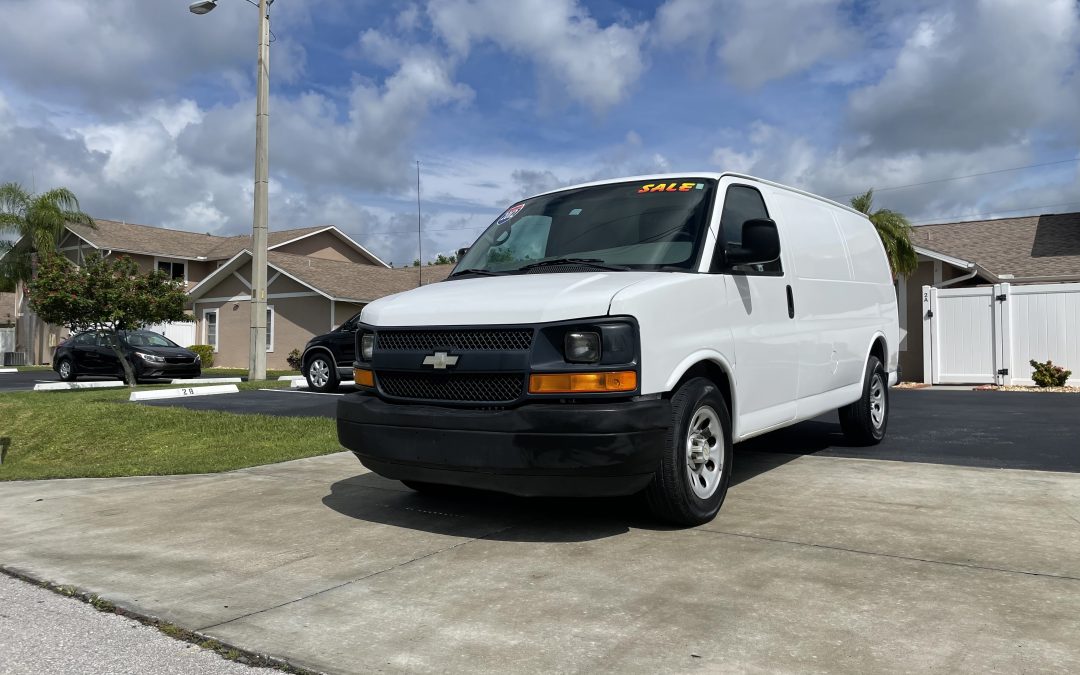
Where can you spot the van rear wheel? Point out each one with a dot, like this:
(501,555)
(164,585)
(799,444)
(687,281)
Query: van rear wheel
(864,422)
(692,479)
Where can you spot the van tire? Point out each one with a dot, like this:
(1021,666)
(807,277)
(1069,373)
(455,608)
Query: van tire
(864,422)
(671,496)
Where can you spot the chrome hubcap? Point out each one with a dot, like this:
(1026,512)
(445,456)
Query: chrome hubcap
(319,373)
(877,401)
(65,369)
(704,452)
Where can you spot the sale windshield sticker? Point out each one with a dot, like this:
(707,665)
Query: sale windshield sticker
(669,187)
(510,213)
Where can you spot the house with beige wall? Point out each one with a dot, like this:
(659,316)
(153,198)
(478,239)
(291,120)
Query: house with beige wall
(306,295)
(1035,251)
(317,278)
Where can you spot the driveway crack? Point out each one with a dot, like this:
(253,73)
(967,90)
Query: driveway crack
(890,555)
(356,580)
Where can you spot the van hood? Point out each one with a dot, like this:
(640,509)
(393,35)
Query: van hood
(513,299)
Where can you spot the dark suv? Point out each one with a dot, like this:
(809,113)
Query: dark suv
(328,358)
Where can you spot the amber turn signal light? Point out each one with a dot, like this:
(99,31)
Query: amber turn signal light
(363,377)
(582,383)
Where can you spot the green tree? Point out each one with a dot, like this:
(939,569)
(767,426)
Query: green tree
(107,295)
(37,218)
(445,259)
(895,232)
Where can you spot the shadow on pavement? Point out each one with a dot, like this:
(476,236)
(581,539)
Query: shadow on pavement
(534,519)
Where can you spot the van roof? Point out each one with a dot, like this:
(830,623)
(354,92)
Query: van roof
(703,174)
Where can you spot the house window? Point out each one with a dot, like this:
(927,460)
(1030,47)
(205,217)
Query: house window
(269,328)
(176,269)
(210,325)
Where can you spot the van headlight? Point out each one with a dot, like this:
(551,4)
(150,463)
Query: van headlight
(367,346)
(581,347)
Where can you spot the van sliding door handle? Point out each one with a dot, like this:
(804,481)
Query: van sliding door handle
(790,304)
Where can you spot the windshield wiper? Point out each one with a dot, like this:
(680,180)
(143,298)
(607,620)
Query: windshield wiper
(591,262)
(476,270)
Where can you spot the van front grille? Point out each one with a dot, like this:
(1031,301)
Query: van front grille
(453,387)
(507,340)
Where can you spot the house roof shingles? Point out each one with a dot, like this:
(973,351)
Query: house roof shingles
(353,281)
(159,241)
(1032,247)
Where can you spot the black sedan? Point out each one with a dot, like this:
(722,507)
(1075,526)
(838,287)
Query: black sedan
(150,355)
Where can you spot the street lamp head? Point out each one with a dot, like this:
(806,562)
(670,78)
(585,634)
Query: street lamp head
(202,6)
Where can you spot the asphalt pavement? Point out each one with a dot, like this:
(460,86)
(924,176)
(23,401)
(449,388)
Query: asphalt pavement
(1002,430)
(25,381)
(42,632)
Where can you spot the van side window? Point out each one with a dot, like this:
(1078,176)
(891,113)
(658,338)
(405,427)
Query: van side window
(742,203)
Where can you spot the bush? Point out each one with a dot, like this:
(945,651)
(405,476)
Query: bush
(206,353)
(294,359)
(1049,375)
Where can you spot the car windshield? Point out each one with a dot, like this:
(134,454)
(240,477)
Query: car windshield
(148,339)
(641,225)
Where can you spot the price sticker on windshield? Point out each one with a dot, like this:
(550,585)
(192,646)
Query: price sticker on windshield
(649,188)
(510,213)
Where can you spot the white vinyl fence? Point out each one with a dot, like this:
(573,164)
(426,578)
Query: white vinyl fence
(7,341)
(989,334)
(181,332)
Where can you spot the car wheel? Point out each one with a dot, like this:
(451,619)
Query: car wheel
(864,421)
(695,468)
(322,374)
(66,369)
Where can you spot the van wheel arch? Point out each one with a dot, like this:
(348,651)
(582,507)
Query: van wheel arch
(714,372)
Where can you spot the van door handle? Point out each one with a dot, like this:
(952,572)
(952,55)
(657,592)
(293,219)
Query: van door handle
(790,304)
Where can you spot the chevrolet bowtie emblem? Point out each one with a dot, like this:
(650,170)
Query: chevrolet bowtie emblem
(440,360)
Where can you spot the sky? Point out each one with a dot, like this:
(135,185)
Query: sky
(147,111)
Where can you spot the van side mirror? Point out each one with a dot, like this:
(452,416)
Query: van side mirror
(760,244)
(461,252)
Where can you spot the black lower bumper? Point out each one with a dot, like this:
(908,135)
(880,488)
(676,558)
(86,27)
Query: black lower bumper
(581,449)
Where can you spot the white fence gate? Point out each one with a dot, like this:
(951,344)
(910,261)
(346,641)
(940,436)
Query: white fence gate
(181,332)
(989,334)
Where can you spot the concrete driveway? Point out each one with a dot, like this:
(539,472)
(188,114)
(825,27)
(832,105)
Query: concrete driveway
(815,564)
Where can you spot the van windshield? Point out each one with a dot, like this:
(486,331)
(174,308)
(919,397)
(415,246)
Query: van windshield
(643,225)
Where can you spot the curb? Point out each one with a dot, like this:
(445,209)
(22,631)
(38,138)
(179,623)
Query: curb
(65,386)
(182,392)
(222,649)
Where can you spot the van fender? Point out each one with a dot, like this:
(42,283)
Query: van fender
(888,355)
(716,358)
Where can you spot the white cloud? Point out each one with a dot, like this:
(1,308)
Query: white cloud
(593,64)
(757,45)
(975,74)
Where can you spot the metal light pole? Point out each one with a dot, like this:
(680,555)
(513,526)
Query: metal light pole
(257,345)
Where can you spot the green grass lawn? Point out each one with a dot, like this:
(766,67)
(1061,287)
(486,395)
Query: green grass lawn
(97,433)
(242,372)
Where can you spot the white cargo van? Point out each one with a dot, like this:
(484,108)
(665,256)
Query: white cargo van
(619,337)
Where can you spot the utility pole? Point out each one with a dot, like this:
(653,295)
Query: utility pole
(419,233)
(257,350)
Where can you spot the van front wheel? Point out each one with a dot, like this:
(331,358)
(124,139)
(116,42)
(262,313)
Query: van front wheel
(695,468)
(864,421)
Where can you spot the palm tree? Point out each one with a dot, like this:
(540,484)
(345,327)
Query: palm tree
(895,232)
(37,218)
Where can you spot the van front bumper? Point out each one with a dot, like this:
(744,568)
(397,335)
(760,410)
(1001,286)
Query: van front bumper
(538,449)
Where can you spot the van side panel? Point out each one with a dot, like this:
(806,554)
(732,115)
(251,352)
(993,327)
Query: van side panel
(836,315)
